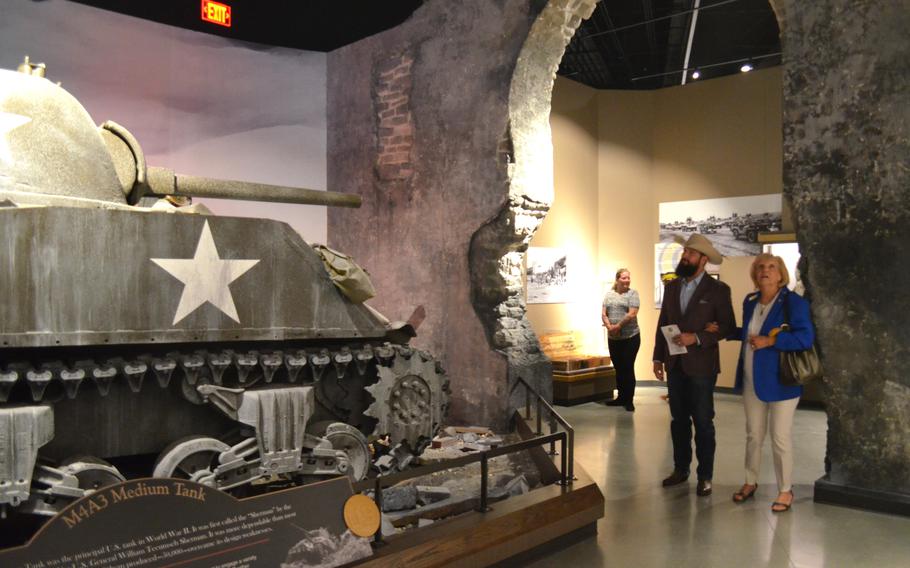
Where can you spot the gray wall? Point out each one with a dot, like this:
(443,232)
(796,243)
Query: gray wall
(197,103)
(846,149)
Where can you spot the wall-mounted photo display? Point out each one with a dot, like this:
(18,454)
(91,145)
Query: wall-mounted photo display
(546,275)
(666,257)
(731,223)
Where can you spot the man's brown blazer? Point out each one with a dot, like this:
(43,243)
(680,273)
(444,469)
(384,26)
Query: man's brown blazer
(710,302)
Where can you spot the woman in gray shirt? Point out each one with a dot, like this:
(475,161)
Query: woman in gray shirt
(620,317)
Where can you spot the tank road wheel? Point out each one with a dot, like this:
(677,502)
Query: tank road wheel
(92,473)
(190,458)
(349,439)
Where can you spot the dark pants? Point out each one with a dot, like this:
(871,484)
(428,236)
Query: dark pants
(692,402)
(622,354)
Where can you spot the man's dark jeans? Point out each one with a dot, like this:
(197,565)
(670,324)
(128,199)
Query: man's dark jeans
(692,402)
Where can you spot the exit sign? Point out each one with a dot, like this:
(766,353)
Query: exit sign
(216,12)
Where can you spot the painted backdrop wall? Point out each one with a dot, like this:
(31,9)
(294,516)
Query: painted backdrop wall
(197,103)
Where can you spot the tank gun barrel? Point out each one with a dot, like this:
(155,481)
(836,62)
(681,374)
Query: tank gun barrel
(138,180)
(162,182)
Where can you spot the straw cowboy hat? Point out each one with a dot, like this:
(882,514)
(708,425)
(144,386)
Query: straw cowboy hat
(702,245)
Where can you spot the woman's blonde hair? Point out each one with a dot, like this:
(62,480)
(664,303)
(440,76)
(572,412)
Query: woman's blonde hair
(618,273)
(781,267)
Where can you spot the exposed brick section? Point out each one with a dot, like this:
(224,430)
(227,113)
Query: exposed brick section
(395,127)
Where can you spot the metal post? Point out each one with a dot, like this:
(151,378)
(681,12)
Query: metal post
(564,469)
(484,473)
(539,419)
(571,456)
(553,431)
(377,497)
(527,402)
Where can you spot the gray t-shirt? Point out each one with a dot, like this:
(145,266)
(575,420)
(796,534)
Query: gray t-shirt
(617,306)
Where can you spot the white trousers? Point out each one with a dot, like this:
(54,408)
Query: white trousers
(779,415)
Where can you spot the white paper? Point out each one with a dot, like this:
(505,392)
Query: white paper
(671,331)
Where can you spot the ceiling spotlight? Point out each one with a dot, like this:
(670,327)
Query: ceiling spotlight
(746,67)
(696,74)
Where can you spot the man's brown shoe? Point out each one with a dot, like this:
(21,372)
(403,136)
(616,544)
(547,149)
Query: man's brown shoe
(677,477)
(703,489)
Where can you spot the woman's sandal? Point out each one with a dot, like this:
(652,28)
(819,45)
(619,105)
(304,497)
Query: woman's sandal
(744,494)
(779,507)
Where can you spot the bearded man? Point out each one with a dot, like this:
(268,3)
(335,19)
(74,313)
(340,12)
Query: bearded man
(691,302)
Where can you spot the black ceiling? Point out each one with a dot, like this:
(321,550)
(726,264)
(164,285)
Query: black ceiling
(641,44)
(626,44)
(312,25)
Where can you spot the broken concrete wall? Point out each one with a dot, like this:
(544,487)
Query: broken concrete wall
(441,124)
(846,175)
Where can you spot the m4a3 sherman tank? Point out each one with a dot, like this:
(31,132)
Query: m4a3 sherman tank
(141,340)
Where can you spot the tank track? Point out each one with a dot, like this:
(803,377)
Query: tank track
(407,399)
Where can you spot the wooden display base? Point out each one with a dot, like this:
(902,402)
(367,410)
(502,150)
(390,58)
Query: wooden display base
(588,385)
(510,527)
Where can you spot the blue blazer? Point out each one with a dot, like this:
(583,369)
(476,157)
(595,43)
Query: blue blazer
(766,362)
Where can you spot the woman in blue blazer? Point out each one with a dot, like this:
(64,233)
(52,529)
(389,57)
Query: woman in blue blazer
(766,401)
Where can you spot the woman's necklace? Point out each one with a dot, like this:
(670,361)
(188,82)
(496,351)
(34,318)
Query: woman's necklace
(762,308)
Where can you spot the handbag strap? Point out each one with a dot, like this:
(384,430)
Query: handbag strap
(786,307)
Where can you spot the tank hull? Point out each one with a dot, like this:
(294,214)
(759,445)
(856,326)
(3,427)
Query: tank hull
(78,276)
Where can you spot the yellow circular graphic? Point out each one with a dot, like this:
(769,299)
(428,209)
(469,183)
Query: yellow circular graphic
(361,515)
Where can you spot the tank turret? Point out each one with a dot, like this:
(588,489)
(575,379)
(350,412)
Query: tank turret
(51,148)
(132,340)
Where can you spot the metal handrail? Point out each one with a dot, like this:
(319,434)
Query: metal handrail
(566,440)
(377,483)
(554,419)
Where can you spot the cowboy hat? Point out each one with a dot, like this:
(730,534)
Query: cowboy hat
(702,245)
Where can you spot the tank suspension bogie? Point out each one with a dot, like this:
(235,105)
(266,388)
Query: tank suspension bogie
(307,415)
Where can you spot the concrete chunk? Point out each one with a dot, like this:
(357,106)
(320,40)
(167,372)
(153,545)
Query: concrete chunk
(399,498)
(428,494)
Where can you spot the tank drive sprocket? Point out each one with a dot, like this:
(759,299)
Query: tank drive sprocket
(411,397)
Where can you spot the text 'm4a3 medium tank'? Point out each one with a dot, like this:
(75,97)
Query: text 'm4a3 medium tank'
(141,339)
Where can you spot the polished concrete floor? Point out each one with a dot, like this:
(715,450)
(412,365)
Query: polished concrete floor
(646,525)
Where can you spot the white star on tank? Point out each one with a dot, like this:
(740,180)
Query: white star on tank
(205,277)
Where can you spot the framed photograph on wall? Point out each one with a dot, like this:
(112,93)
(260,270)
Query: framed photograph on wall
(546,275)
(731,223)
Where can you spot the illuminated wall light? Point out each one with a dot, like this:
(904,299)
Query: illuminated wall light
(696,74)
(746,67)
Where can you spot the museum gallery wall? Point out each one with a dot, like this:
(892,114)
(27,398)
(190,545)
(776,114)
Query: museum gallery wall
(177,91)
(619,154)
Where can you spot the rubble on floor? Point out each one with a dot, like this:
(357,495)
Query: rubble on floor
(421,501)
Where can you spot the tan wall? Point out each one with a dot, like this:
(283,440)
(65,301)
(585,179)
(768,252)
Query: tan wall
(719,138)
(574,219)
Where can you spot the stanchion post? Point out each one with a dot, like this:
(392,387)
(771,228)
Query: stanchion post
(377,496)
(527,401)
(553,431)
(565,455)
(484,474)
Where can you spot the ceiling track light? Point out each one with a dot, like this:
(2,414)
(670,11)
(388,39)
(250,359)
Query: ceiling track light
(745,61)
(696,74)
(746,67)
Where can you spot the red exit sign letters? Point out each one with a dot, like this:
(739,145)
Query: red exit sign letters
(216,12)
